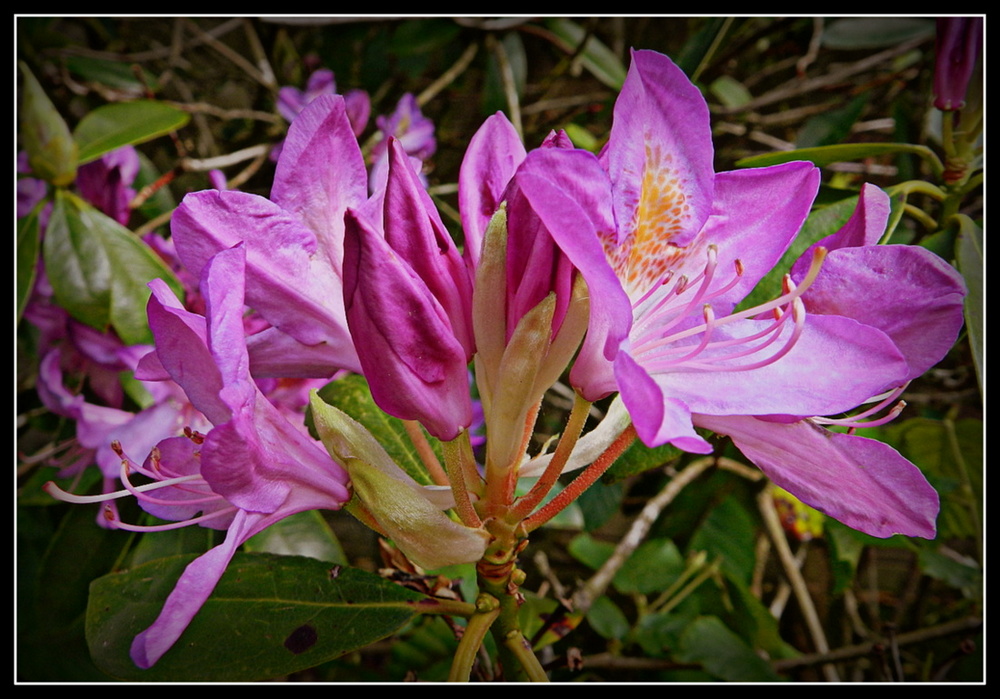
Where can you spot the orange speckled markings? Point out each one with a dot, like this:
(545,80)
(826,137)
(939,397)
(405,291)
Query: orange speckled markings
(662,213)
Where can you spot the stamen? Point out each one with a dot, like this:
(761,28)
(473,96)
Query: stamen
(660,349)
(115,523)
(59,494)
(858,419)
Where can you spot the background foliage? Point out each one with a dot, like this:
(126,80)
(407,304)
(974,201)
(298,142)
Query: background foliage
(716,588)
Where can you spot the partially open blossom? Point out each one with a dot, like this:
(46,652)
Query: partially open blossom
(253,467)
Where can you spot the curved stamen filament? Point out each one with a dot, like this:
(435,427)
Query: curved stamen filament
(209,497)
(657,346)
(59,494)
(116,523)
(859,419)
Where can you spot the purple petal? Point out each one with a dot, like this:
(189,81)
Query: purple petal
(182,351)
(906,291)
(835,365)
(415,366)
(321,173)
(289,280)
(414,231)
(862,482)
(493,155)
(756,215)
(658,419)
(570,194)
(659,154)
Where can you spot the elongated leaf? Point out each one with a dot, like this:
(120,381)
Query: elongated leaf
(969,254)
(52,152)
(115,125)
(596,56)
(824,155)
(99,270)
(269,616)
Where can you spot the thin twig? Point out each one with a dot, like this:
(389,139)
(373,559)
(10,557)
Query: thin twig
(593,588)
(772,522)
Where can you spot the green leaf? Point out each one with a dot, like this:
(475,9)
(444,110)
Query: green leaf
(730,91)
(832,126)
(596,57)
(728,531)
(117,74)
(607,619)
(351,395)
(52,152)
(969,254)
(639,458)
(652,567)
(825,155)
(269,616)
(125,123)
(52,598)
(722,653)
(99,270)
(303,534)
(875,32)
(28,244)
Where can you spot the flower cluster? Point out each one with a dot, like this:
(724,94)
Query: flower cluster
(624,271)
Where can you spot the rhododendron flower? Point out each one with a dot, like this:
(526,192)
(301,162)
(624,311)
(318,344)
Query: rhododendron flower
(252,469)
(686,245)
(293,241)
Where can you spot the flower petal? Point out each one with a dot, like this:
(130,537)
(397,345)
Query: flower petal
(862,482)
(659,155)
(493,155)
(415,366)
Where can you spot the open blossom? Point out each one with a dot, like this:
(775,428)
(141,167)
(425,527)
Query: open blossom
(686,245)
(252,468)
(294,244)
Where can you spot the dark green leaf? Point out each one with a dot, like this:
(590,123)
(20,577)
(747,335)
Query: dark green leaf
(721,652)
(303,534)
(652,567)
(728,531)
(875,32)
(825,155)
(831,126)
(52,593)
(125,123)
(268,616)
(969,254)
(638,458)
(117,74)
(99,270)
(607,619)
